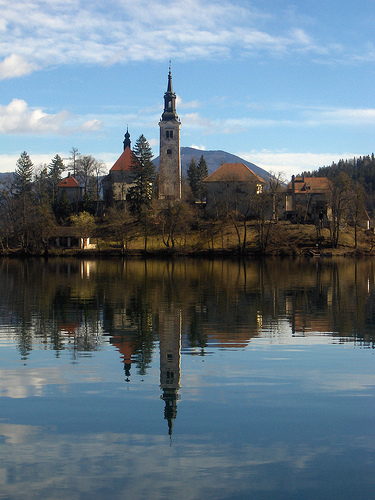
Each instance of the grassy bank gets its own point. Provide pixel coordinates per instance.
(281, 239)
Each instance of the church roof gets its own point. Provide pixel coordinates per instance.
(69, 181)
(124, 163)
(234, 172)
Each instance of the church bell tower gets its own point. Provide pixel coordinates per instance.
(169, 158)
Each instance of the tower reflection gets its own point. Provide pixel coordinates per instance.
(170, 357)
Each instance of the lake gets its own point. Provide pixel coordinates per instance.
(191, 379)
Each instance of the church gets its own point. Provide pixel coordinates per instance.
(121, 177)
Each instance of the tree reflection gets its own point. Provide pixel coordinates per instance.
(67, 304)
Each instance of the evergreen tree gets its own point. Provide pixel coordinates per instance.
(192, 174)
(142, 192)
(202, 174)
(23, 175)
(63, 207)
(55, 169)
(196, 173)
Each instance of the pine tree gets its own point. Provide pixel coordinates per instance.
(202, 170)
(23, 175)
(192, 174)
(55, 169)
(142, 192)
(196, 174)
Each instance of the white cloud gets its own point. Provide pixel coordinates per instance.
(16, 65)
(290, 163)
(18, 118)
(80, 32)
(347, 115)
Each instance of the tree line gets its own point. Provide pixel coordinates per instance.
(33, 209)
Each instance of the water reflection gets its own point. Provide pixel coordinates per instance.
(71, 305)
(102, 361)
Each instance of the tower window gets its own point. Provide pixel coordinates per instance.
(169, 151)
(169, 134)
(169, 104)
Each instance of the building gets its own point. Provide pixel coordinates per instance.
(70, 188)
(308, 199)
(169, 158)
(232, 187)
(121, 177)
(170, 359)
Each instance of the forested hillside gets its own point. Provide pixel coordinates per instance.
(359, 172)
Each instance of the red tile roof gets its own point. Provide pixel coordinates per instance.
(311, 185)
(69, 181)
(124, 162)
(234, 172)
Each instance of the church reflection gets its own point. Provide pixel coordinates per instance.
(170, 362)
(170, 327)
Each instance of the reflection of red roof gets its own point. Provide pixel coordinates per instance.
(125, 348)
(124, 162)
(235, 172)
(311, 185)
(69, 181)
(69, 328)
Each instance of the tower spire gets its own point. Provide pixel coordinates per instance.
(127, 142)
(169, 100)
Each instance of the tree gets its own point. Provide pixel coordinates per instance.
(55, 169)
(192, 175)
(63, 208)
(23, 208)
(120, 225)
(86, 168)
(73, 160)
(23, 175)
(340, 203)
(196, 173)
(202, 174)
(174, 222)
(142, 192)
(42, 187)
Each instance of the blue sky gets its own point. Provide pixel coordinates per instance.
(287, 86)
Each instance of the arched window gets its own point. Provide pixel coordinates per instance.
(169, 151)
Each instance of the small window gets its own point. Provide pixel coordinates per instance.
(169, 151)
(167, 134)
(169, 357)
(171, 134)
(169, 104)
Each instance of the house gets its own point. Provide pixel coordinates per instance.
(308, 199)
(65, 237)
(71, 188)
(121, 177)
(232, 187)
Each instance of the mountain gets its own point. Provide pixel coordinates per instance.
(214, 160)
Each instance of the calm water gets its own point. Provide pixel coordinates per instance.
(187, 380)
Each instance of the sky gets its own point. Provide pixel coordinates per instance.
(287, 86)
